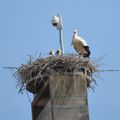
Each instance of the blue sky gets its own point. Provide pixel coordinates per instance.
(25, 28)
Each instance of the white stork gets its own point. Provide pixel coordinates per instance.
(59, 52)
(51, 53)
(80, 45)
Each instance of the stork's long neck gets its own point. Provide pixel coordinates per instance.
(75, 36)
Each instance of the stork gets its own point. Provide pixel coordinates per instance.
(80, 45)
(59, 52)
(51, 53)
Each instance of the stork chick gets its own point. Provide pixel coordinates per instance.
(59, 52)
(80, 45)
(51, 53)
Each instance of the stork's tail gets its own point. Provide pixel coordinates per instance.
(88, 51)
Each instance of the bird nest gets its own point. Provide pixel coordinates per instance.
(35, 74)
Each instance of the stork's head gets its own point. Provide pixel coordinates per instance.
(75, 32)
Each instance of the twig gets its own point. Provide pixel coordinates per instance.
(108, 70)
(11, 68)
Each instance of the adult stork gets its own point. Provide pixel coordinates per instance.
(80, 45)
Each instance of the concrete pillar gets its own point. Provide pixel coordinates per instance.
(66, 100)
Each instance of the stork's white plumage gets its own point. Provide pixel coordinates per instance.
(80, 45)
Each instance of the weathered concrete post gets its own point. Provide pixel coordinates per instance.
(63, 98)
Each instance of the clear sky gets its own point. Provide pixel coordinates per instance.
(25, 29)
